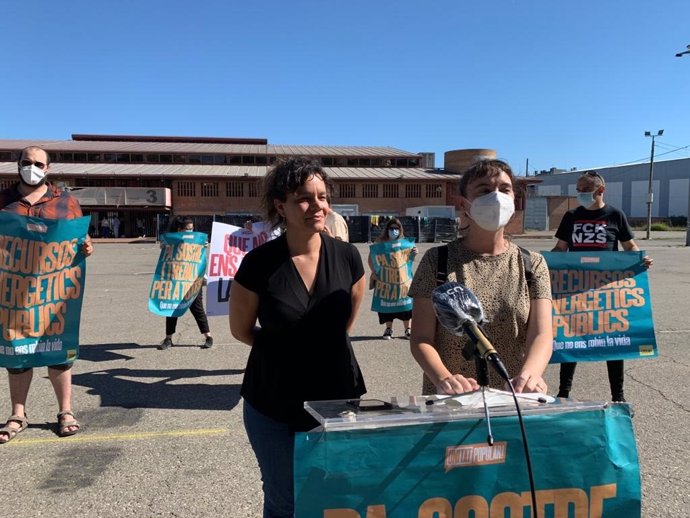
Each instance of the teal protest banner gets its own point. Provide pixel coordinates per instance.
(602, 307)
(42, 280)
(584, 462)
(179, 274)
(393, 270)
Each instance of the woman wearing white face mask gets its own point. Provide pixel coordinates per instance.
(518, 313)
(392, 231)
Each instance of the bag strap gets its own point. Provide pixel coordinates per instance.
(527, 261)
(442, 265)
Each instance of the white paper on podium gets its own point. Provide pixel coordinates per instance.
(494, 398)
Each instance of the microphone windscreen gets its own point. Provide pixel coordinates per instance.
(455, 305)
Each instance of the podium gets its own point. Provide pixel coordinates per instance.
(420, 460)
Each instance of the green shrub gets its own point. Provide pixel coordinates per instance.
(659, 226)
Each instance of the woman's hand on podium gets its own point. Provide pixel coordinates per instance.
(456, 384)
(528, 381)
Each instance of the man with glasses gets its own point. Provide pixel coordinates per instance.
(33, 195)
(594, 226)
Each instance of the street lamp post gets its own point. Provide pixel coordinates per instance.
(650, 191)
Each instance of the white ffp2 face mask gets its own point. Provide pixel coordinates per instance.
(32, 175)
(585, 199)
(493, 210)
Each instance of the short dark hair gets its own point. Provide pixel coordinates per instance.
(178, 223)
(38, 148)
(288, 175)
(481, 168)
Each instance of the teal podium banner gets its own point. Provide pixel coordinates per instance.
(179, 273)
(602, 307)
(42, 280)
(584, 462)
(393, 270)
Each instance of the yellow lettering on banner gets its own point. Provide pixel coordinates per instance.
(597, 497)
(471, 504)
(168, 253)
(161, 289)
(573, 281)
(193, 288)
(435, 508)
(564, 501)
(27, 256)
(561, 500)
(46, 320)
(382, 259)
(514, 502)
(596, 323)
(180, 290)
(188, 252)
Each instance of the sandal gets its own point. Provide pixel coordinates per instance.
(12, 432)
(67, 423)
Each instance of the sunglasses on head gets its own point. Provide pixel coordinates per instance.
(591, 173)
(25, 163)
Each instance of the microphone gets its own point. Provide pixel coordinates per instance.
(459, 311)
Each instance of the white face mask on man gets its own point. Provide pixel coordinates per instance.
(31, 174)
(585, 199)
(493, 210)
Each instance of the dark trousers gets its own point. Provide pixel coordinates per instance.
(197, 309)
(273, 445)
(615, 370)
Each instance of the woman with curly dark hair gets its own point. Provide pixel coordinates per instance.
(304, 288)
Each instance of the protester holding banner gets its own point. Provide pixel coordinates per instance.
(34, 196)
(594, 226)
(518, 310)
(186, 224)
(390, 260)
(305, 289)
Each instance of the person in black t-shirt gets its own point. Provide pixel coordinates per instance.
(305, 289)
(591, 227)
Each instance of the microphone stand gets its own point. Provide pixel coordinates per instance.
(471, 351)
(482, 368)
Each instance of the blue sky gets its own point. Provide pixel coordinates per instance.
(563, 84)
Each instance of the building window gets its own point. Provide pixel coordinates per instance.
(413, 190)
(347, 190)
(390, 190)
(434, 190)
(234, 189)
(370, 190)
(254, 189)
(187, 189)
(209, 189)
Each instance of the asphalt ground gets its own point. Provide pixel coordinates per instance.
(163, 433)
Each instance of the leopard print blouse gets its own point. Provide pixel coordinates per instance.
(500, 285)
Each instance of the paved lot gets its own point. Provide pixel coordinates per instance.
(164, 435)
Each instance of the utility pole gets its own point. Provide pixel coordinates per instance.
(650, 191)
(527, 167)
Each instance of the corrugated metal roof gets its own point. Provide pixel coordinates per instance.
(181, 170)
(198, 148)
